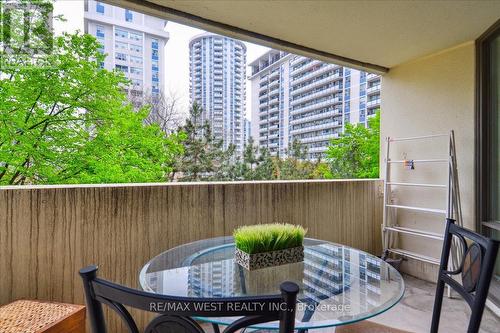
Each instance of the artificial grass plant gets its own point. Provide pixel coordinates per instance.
(268, 237)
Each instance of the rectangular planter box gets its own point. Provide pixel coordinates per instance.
(268, 259)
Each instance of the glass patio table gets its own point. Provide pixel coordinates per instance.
(338, 284)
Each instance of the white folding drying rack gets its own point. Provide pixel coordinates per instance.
(453, 207)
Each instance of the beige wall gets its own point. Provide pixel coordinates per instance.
(431, 95)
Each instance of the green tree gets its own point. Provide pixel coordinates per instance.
(294, 165)
(355, 154)
(265, 168)
(66, 120)
(204, 157)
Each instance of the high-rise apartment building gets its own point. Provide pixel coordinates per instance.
(298, 98)
(248, 131)
(134, 43)
(270, 101)
(217, 67)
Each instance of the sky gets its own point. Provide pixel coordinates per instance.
(176, 51)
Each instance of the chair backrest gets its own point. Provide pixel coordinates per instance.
(175, 312)
(476, 270)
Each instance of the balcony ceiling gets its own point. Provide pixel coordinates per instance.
(384, 33)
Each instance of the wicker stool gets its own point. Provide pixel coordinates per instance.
(25, 316)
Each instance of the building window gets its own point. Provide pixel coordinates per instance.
(121, 45)
(100, 31)
(135, 36)
(154, 43)
(155, 77)
(362, 78)
(99, 7)
(136, 70)
(154, 54)
(155, 88)
(136, 60)
(120, 56)
(122, 68)
(135, 48)
(362, 116)
(128, 15)
(121, 33)
(137, 83)
(154, 65)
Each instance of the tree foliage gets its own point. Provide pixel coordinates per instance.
(163, 108)
(259, 164)
(355, 154)
(66, 120)
(204, 158)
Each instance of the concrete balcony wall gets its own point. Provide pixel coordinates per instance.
(49, 233)
(431, 95)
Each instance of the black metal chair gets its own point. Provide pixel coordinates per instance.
(476, 270)
(175, 313)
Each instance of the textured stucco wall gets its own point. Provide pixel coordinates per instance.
(431, 95)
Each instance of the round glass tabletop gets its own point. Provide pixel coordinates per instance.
(338, 284)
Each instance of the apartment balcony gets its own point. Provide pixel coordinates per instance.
(274, 100)
(319, 138)
(370, 77)
(314, 73)
(315, 84)
(274, 118)
(263, 94)
(319, 105)
(273, 136)
(298, 60)
(49, 232)
(333, 124)
(321, 149)
(315, 95)
(273, 145)
(373, 89)
(305, 67)
(274, 84)
(274, 127)
(273, 109)
(274, 74)
(328, 114)
(274, 93)
(373, 103)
